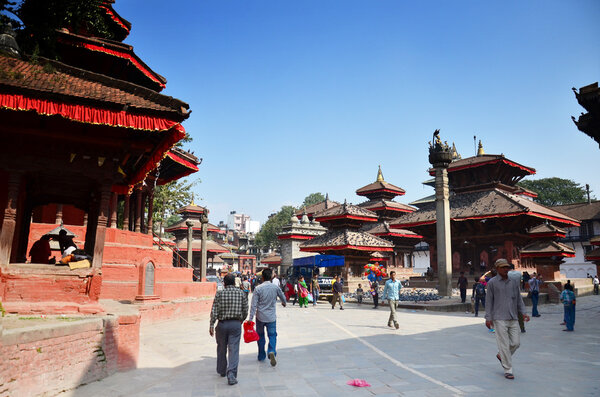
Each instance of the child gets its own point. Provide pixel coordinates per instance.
(359, 293)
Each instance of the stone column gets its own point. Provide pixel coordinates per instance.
(138, 211)
(103, 208)
(190, 239)
(126, 212)
(440, 157)
(10, 217)
(113, 210)
(204, 222)
(59, 214)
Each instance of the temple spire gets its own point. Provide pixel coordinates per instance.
(379, 175)
(192, 203)
(480, 151)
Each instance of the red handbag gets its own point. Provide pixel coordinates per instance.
(250, 335)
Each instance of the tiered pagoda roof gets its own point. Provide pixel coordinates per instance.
(589, 123)
(317, 207)
(380, 189)
(344, 239)
(484, 205)
(343, 236)
(539, 249)
(106, 110)
(345, 215)
(547, 230)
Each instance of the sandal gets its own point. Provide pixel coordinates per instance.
(509, 376)
(498, 357)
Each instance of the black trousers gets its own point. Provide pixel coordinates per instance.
(376, 300)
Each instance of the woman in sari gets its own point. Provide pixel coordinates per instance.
(302, 292)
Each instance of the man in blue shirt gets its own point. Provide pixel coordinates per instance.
(391, 293)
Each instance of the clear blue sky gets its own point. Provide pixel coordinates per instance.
(295, 97)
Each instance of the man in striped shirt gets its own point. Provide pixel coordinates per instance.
(230, 307)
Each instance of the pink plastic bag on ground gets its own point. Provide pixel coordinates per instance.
(358, 383)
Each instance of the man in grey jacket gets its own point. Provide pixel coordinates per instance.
(503, 305)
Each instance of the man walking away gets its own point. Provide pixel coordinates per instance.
(534, 288)
(315, 290)
(463, 284)
(245, 285)
(263, 304)
(478, 294)
(567, 297)
(230, 307)
(391, 293)
(276, 280)
(504, 303)
(337, 293)
(516, 276)
(596, 284)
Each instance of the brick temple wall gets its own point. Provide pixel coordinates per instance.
(50, 358)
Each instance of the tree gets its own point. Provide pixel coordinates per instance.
(556, 191)
(313, 198)
(267, 236)
(169, 198)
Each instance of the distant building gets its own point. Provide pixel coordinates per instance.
(242, 223)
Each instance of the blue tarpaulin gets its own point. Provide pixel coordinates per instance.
(320, 261)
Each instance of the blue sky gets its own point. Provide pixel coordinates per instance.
(295, 97)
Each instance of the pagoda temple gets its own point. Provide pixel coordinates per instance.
(191, 215)
(345, 238)
(85, 141)
(545, 253)
(589, 123)
(490, 214)
(381, 194)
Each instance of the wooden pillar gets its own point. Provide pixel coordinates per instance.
(126, 212)
(23, 225)
(59, 214)
(150, 210)
(10, 217)
(138, 211)
(114, 201)
(100, 235)
(85, 219)
(143, 212)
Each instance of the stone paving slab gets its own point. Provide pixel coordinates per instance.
(319, 350)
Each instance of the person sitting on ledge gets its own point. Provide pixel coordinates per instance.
(67, 247)
(40, 251)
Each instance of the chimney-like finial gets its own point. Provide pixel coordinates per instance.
(480, 151)
(379, 175)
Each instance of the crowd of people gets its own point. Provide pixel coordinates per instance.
(498, 291)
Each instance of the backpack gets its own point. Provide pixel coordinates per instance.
(480, 289)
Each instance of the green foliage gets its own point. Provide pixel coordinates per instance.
(267, 236)
(42, 18)
(313, 198)
(169, 198)
(556, 191)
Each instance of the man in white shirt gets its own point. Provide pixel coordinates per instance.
(275, 279)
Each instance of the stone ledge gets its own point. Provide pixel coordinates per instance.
(48, 331)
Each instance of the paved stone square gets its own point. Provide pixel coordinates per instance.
(319, 350)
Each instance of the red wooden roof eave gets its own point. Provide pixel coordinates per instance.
(394, 209)
(530, 171)
(118, 20)
(342, 247)
(294, 237)
(548, 234)
(189, 168)
(546, 254)
(418, 236)
(530, 213)
(92, 44)
(393, 191)
(345, 216)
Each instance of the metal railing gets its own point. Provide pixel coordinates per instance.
(178, 259)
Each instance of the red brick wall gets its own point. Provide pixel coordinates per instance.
(48, 360)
